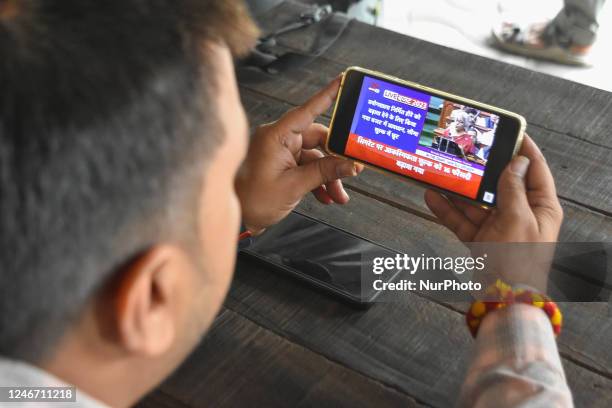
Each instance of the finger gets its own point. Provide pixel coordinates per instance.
(298, 119)
(541, 191)
(336, 191)
(321, 195)
(539, 178)
(511, 190)
(475, 214)
(307, 177)
(334, 188)
(314, 136)
(359, 167)
(450, 216)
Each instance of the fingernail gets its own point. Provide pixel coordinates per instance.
(519, 166)
(346, 169)
(346, 197)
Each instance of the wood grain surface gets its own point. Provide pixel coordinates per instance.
(278, 343)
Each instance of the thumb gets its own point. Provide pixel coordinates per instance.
(511, 191)
(311, 175)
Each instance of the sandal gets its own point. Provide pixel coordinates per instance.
(539, 41)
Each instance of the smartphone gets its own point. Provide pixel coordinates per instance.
(327, 258)
(442, 141)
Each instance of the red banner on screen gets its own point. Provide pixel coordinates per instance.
(414, 165)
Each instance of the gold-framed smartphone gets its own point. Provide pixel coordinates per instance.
(446, 142)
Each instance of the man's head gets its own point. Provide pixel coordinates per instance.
(120, 133)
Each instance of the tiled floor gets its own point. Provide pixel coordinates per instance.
(466, 25)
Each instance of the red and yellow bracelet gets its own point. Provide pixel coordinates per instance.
(504, 295)
(244, 235)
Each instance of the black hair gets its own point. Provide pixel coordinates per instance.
(106, 109)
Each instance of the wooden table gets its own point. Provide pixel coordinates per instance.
(279, 343)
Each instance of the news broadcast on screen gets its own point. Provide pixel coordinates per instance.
(422, 136)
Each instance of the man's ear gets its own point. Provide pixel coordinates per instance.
(147, 308)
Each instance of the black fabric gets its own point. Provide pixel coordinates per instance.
(272, 57)
(259, 7)
(338, 5)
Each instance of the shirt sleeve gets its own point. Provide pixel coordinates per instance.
(516, 363)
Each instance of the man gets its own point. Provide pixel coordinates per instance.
(121, 133)
(122, 177)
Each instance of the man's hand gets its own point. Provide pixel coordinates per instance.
(527, 206)
(283, 165)
(528, 211)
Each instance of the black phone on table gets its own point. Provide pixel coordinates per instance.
(321, 255)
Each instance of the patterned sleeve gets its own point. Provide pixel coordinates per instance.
(516, 363)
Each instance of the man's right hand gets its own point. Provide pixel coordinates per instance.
(528, 210)
(283, 164)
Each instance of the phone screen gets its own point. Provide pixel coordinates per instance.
(329, 258)
(437, 141)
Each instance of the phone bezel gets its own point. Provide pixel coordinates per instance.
(508, 139)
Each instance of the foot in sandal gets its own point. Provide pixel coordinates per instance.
(540, 41)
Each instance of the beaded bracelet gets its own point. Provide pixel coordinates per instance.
(244, 235)
(506, 295)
